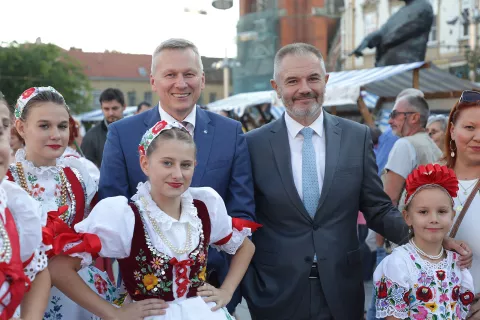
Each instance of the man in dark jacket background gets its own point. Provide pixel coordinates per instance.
(112, 102)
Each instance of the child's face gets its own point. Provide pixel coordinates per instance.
(170, 167)
(5, 151)
(45, 131)
(431, 214)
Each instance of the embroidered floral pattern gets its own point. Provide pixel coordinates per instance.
(55, 312)
(152, 274)
(100, 284)
(436, 293)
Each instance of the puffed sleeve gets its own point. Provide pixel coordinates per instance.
(463, 292)
(392, 286)
(113, 221)
(91, 185)
(28, 217)
(227, 233)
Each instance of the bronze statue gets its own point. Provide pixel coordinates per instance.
(403, 38)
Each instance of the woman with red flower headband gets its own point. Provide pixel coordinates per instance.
(421, 280)
(161, 237)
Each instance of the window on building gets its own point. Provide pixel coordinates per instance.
(147, 96)
(132, 98)
(96, 98)
(465, 15)
(433, 31)
(212, 97)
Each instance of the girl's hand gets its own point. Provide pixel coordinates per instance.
(474, 313)
(140, 310)
(220, 296)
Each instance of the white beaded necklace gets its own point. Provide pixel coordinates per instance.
(188, 243)
(420, 251)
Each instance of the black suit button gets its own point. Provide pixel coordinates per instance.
(308, 259)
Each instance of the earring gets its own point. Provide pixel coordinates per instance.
(452, 153)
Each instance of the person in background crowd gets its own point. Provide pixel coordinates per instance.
(112, 103)
(462, 154)
(436, 126)
(16, 141)
(143, 106)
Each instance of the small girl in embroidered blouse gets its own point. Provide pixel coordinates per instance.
(161, 236)
(421, 280)
(20, 236)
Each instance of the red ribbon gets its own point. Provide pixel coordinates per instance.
(90, 243)
(181, 280)
(241, 224)
(18, 280)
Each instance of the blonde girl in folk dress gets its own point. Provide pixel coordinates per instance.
(20, 236)
(64, 190)
(421, 280)
(161, 236)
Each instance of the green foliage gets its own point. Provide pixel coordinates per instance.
(37, 65)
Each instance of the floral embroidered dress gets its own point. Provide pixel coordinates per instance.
(20, 236)
(409, 287)
(142, 236)
(64, 192)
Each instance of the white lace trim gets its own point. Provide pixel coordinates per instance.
(189, 212)
(85, 256)
(30, 167)
(427, 266)
(71, 152)
(391, 312)
(235, 241)
(38, 263)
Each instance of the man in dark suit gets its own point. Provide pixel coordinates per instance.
(223, 161)
(312, 172)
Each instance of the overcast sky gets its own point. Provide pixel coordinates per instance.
(133, 26)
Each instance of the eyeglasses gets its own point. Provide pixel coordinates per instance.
(395, 113)
(470, 96)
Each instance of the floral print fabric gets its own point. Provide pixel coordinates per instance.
(408, 287)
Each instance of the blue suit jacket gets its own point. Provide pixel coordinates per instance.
(223, 163)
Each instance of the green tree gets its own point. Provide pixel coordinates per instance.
(37, 65)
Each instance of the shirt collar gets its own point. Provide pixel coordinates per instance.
(293, 127)
(190, 118)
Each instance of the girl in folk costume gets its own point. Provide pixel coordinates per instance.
(20, 236)
(64, 190)
(421, 280)
(161, 237)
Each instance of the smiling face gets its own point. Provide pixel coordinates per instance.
(45, 132)
(301, 84)
(465, 132)
(178, 79)
(431, 214)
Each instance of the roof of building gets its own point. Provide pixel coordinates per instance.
(117, 65)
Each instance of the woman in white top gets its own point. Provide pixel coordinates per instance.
(462, 154)
(161, 237)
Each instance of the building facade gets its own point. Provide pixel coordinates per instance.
(452, 35)
(131, 74)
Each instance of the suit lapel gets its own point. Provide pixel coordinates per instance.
(333, 136)
(281, 151)
(151, 117)
(203, 136)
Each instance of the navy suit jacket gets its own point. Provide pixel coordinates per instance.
(223, 163)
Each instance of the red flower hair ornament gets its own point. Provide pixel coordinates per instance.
(431, 175)
(154, 132)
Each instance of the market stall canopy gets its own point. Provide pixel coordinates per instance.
(345, 87)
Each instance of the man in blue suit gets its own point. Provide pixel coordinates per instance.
(223, 161)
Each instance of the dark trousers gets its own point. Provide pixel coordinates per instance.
(313, 305)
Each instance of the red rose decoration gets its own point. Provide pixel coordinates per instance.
(382, 290)
(424, 294)
(100, 284)
(141, 150)
(159, 126)
(406, 297)
(455, 293)
(27, 93)
(441, 275)
(467, 298)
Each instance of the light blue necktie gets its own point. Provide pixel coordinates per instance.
(310, 187)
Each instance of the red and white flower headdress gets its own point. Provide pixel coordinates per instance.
(27, 95)
(431, 175)
(153, 132)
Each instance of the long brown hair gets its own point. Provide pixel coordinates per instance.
(452, 120)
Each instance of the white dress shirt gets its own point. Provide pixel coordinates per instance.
(190, 118)
(295, 139)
